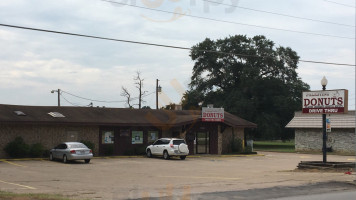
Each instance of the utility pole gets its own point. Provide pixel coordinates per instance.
(59, 94)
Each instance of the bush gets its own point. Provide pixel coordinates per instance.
(140, 150)
(17, 148)
(248, 149)
(36, 150)
(89, 144)
(236, 145)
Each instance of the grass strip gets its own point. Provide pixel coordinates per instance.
(276, 146)
(15, 196)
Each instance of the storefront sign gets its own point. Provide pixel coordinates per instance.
(152, 136)
(108, 137)
(325, 101)
(137, 137)
(212, 114)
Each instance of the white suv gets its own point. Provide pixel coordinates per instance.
(168, 147)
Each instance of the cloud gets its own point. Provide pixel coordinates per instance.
(33, 63)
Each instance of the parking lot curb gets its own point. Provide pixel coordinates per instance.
(22, 159)
(113, 157)
(225, 156)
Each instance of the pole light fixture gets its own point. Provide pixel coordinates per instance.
(324, 82)
(158, 89)
(59, 93)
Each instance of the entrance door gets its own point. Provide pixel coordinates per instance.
(202, 142)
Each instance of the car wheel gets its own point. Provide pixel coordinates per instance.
(65, 159)
(87, 160)
(149, 154)
(183, 157)
(165, 155)
(51, 157)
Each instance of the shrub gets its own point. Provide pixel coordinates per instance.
(17, 148)
(248, 149)
(36, 150)
(236, 145)
(140, 150)
(89, 144)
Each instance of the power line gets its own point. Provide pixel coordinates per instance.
(341, 4)
(279, 14)
(69, 101)
(159, 45)
(104, 101)
(231, 22)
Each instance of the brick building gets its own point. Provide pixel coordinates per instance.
(117, 131)
(308, 132)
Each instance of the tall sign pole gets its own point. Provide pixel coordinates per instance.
(324, 82)
(355, 87)
(158, 89)
(325, 102)
(156, 94)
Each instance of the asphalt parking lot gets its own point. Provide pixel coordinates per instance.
(139, 177)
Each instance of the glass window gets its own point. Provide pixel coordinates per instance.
(56, 114)
(62, 146)
(165, 141)
(137, 137)
(178, 142)
(74, 146)
(107, 137)
(152, 136)
(19, 113)
(158, 142)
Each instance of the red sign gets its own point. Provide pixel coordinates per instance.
(325, 101)
(212, 114)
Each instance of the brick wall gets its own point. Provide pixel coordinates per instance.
(48, 135)
(225, 138)
(341, 140)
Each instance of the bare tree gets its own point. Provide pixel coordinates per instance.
(125, 93)
(139, 86)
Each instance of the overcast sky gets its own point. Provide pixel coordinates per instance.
(34, 63)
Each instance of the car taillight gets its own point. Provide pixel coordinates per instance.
(91, 151)
(72, 151)
(171, 145)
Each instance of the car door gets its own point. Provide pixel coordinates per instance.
(55, 151)
(155, 146)
(60, 151)
(164, 145)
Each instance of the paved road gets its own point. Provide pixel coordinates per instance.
(125, 178)
(325, 191)
(332, 196)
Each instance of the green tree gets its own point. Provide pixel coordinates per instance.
(252, 78)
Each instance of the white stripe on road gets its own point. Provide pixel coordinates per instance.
(201, 177)
(24, 186)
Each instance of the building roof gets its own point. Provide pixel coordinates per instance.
(107, 116)
(301, 120)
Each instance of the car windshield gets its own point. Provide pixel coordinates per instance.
(74, 146)
(178, 142)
